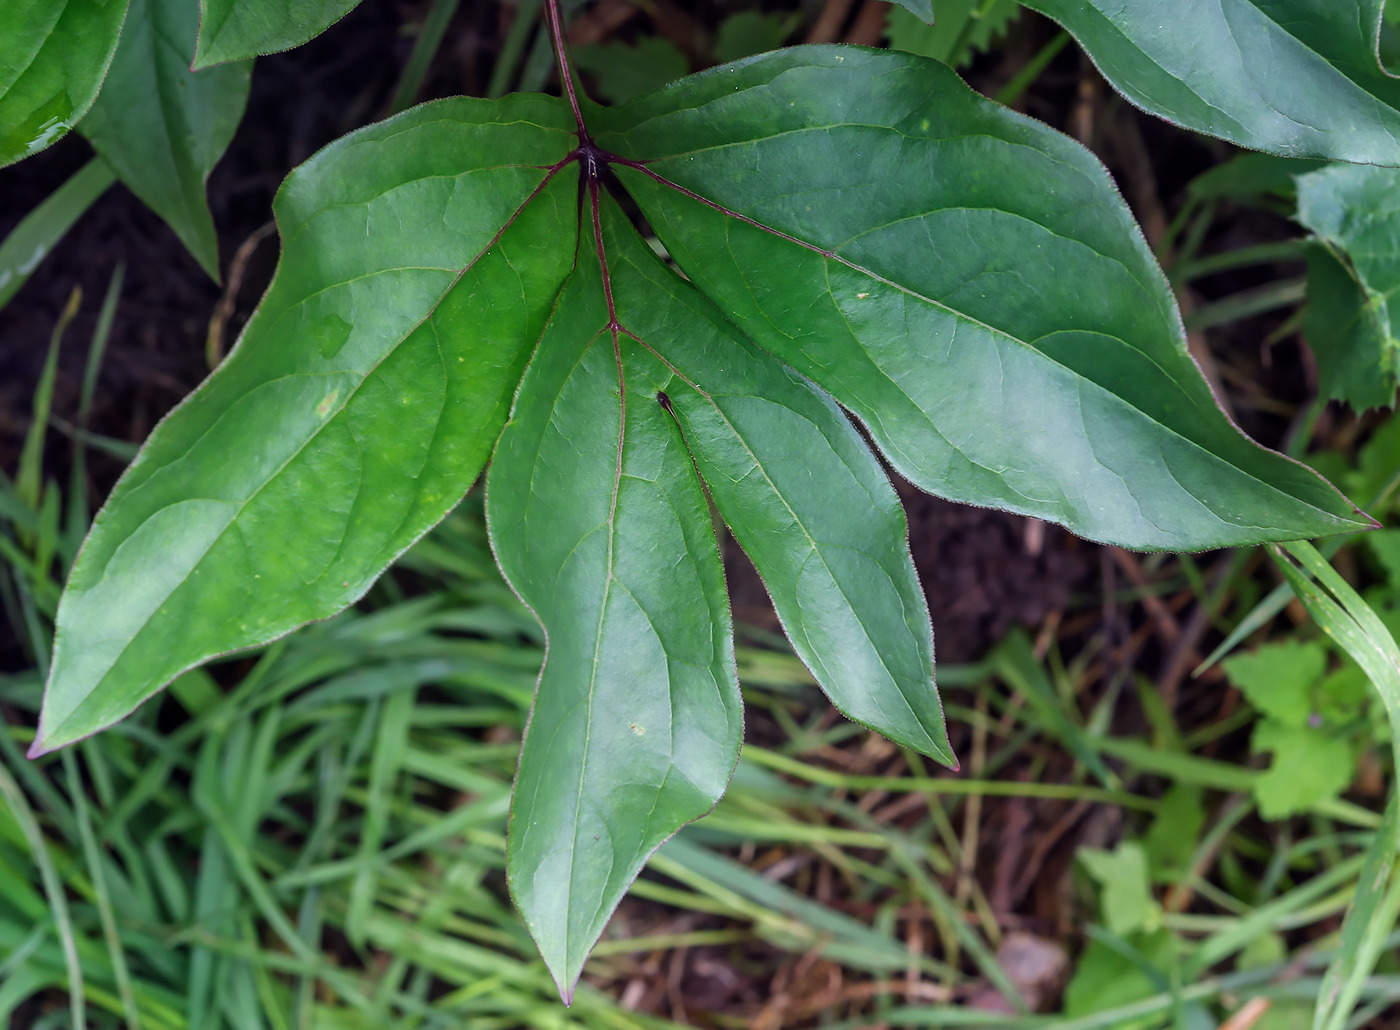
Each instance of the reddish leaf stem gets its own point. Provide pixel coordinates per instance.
(561, 56)
(730, 212)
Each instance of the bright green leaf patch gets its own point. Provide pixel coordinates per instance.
(857, 230)
(1126, 903)
(1308, 724)
(846, 269)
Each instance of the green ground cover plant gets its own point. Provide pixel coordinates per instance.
(855, 230)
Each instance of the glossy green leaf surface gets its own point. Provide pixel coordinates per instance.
(161, 127)
(53, 56)
(1301, 78)
(803, 496)
(967, 282)
(1353, 274)
(599, 523)
(360, 403)
(235, 30)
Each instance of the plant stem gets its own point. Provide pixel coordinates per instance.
(561, 57)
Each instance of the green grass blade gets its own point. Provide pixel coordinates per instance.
(425, 48)
(93, 857)
(1349, 620)
(37, 235)
(31, 457)
(1369, 921)
(53, 888)
(389, 752)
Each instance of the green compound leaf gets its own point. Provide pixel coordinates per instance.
(358, 407)
(1353, 273)
(599, 523)
(967, 282)
(53, 56)
(235, 30)
(1299, 78)
(862, 229)
(161, 127)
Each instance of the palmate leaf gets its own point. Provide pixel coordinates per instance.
(855, 226)
(161, 127)
(1301, 78)
(53, 57)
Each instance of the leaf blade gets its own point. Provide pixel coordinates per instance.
(599, 523)
(383, 358)
(235, 30)
(877, 278)
(161, 127)
(1353, 271)
(51, 66)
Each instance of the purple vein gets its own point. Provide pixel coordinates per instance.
(730, 212)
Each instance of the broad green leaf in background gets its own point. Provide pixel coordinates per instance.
(52, 62)
(1170, 843)
(162, 127)
(1279, 679)
(1308, 766)
(1353, 272)
(1299, 78)
(921, 9)
(360, 404)
(1306, 712)
(1126, 904)
(1251, 178)
(960, 28)
(921, 253)
(1106, 979)
(235, 30)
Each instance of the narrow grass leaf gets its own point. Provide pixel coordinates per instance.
(390, 747)
(39, 232)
